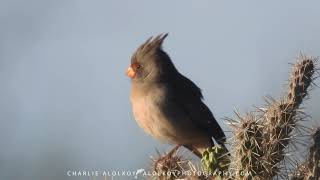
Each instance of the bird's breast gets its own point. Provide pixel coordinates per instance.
(141, 112)
(147, 113)
(163, 119)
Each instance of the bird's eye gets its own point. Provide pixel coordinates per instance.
(138, 66)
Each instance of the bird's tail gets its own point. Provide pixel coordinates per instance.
(222, 142)
(219, 136)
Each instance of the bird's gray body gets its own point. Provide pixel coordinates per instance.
(160, 115)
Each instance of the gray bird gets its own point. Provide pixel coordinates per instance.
(166, 104)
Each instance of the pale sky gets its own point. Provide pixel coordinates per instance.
(64, 96)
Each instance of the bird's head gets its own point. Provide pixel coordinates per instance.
(149, 62)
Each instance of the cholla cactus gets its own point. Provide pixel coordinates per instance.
(301, 77)
(310, 170)
(314, 158)
(281, 117)
(261, 138)
(247, 151)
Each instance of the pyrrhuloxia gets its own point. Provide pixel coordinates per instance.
(166, 104)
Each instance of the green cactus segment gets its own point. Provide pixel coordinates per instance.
(215, 160)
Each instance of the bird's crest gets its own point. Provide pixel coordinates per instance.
(152, 44)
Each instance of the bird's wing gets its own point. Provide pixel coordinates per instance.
(189, 97)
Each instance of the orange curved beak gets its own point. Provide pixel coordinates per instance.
(130, 72)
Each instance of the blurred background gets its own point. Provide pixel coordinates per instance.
(64, 96)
